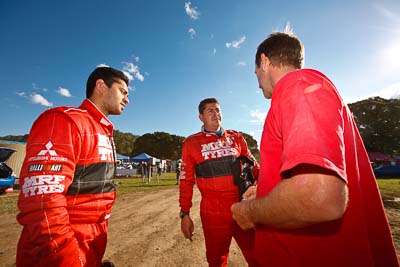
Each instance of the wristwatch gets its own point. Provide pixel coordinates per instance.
(183, 214)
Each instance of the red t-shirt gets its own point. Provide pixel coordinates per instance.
(309, 123)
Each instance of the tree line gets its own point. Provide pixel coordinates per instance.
(378, 121)
(162, 145)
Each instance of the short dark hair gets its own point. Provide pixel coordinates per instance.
(282, 49)
(108, 75)
(203, 103)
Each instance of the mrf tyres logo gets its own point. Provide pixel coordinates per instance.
(218, 149)
(42, 184)
(47, 154)
(213, 150)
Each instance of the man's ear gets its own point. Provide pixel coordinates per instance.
(100, 86)
(201, 117)
(265, 62)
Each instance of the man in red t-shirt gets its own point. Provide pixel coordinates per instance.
(317, 202)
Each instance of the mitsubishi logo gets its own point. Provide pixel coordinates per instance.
(47, 150)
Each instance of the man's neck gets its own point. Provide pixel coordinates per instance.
(282, 71)
(212, 131)
(218, 132)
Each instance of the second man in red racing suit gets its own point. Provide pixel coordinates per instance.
(67, 188)
(207, 159)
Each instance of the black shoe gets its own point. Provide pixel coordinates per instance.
(107, 264)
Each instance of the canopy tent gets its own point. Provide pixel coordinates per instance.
(144, 157)
(122, 158)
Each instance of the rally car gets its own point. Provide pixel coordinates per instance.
(7, 178)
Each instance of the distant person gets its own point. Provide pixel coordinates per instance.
(149, 172)
(318, 202)
(178, 170)
(143, 168)
(67, 188)
(208, 159)
(159, 170)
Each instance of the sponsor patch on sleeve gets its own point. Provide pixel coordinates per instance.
(45, 167)
(43, 184)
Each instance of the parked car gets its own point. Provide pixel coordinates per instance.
(7, 178)
(387, 171)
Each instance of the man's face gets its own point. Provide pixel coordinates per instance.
(263, 73)
(117, 98)
(211, 117)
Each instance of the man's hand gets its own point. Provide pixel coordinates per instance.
(187, 227)
(250, 193)
(241, 214)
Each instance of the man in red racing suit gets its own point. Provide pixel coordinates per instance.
(207, 161)
(67, 188)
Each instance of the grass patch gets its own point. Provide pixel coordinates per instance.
(390, 192)
(8, 201)
(389, 187)
(135, 183)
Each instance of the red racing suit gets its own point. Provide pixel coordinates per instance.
(207, 161)
(67, 188)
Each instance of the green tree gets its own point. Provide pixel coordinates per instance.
(252, 144)
(378, 121)
(16, 138)
(160, 145)
(124, 142)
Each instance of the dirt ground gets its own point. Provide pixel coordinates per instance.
(145, 231)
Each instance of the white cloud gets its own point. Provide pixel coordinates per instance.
(192, 33)
(130, 67)
(39, 99)
(214, 51)
(236, 44)
(133, 88)
(259, 117)
(389, 58)
(36, 87)
(191, 12)
(22, 94)
(390, 92)
(63, 92)
(132, 70)
(389, 21)
(102, 65)
(387, 13)
(288, 28)
(257, 136)
(127, 74)
(139, 76)
(241, 63)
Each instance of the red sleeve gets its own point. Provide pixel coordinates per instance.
(186, 179)
(312, 127)
(46, 174)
